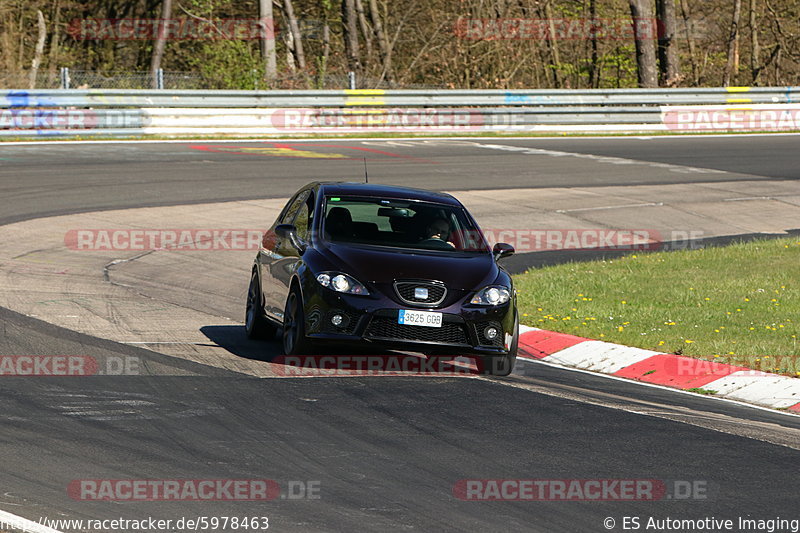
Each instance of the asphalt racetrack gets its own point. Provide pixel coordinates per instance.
(370, 453)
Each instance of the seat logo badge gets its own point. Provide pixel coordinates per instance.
(420, 293)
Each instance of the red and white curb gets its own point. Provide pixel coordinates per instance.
(728, 381)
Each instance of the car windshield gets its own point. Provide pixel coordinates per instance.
(401, 224)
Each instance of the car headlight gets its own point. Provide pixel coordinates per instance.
(493, 295)
(336, 281)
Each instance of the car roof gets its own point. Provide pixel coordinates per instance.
(345, 188)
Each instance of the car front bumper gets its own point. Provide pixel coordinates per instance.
(373, 320)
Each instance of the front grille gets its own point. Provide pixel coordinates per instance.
(387, 328)
(480, 327)
(406, 291)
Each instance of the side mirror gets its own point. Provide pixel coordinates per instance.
(289, 232)
(285, 231)
(502, 250)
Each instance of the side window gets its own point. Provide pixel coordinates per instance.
(294, 207)
(302, 221)
(305, 217)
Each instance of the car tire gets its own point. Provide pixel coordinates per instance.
(503, 365)
(295, 341)
(256, 324)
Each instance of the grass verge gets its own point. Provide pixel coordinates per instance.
(738, 304)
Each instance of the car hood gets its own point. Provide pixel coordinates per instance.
(377, 265)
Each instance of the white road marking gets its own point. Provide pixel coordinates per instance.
(679, 169)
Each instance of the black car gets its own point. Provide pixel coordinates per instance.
(398, 268)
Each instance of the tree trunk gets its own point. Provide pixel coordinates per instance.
(161, 40)
(299, 54)
(322, 61)
(383, 42)
(755, 50)
(326, 42)
(594, 74)
(732, 66)
(37, 56)
(350, 24)
(365, 31)
(689, 25)
(268, 50)
(668, 62)
(552, 44)
(54, 40)
(642, 16)
(291, 57)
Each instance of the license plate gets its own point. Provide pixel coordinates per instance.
(419, 318)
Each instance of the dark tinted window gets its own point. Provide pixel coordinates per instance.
(304, 219)
(294, 207)
(402, 224)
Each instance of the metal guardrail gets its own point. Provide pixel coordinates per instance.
(394, 98)
(185, 112)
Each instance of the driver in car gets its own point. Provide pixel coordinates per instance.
(437, 234)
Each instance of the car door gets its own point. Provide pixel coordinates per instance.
(279, 266)
(271, 250)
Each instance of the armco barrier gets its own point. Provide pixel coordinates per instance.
(134, 112)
